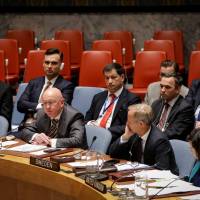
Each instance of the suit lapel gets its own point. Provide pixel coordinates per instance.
(62, 127)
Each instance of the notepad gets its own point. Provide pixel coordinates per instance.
(27, 148)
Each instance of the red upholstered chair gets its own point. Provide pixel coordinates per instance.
(76, 39)
(109, 45)
(177, 38)
(147, 70)
(198, 45)
(2, 66)
(10, 48)
(126, 39)
(63, 46)
(26, 42)
(34, 65)
(92, 64)
(194, 67)
(161, 45)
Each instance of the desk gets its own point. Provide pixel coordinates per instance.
(20, 180)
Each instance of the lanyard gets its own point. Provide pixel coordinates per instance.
(111, 103)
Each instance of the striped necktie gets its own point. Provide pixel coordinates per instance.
(54, 128)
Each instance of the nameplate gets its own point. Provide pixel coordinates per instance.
(95, 184)
(45, 164)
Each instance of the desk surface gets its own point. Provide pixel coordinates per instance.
(20, 180)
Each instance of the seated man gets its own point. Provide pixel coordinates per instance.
(109, 108)
(31, 98)
(153, 90)
(173, 115)
(57, 124)
(143, 142)
(193, 98)
(6, 106)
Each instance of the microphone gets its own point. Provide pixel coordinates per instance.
(93, 140)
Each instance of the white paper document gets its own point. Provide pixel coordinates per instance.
(6, 143)
(84, 163)
(27, 148)
(130, 165)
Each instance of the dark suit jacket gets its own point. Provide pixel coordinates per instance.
(119, 119)
(71, 130)
(157, 152)
(6, 101)
(180, 121)
(29, 99)
(193, 96)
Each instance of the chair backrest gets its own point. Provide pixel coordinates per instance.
(3, 126)
(183, 156)
(161, 45)
(194, 67)
(177, 38)
(102, 142)
(76, 39)
(92, 64)
(126, 38)
(63, 46)
(17, 117)
(2, 66)
(10, 48)
(109, 45)
(83, 96)
(25, 39)
(198, 45)
(147, 68)
(34, 65)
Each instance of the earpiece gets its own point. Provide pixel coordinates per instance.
(62, 66)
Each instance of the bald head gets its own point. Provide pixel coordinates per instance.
(53, 102)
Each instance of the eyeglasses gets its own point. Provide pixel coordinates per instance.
(52, 63)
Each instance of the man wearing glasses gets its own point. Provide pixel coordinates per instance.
(30, 100)
(57, 124)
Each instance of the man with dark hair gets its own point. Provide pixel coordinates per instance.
(143, 142)
(153, 90)
(109, 108)
(31, 98)
(173, 115)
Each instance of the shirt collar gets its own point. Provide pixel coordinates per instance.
(145, 136)
(118, 92)
(58, 116)
(52, 80)
(173, 101)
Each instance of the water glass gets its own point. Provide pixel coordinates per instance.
(141, 186)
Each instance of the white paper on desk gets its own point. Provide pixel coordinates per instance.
(191, 197)
(6, 143)
(38, 153)
(129, 165)
(27, 148)
(84, 164)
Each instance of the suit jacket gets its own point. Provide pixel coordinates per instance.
(180, 121)
(153, 92)
(29, 99)
(6, 101)
(71, 130)
(119, 118)
(193, 96)
(157, 151)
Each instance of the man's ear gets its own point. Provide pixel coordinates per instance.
(62, 65)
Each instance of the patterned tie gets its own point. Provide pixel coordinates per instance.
(163, 117)
(108, 111)
(53, 128)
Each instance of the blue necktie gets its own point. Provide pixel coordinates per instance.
(194, 170)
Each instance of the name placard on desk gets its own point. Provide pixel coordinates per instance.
(45, 163)
(95, 184)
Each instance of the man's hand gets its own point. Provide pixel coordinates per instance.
(42, 139)
(128, 133)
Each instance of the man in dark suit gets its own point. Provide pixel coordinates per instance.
(57, 124)
(31, 98)
(173, 114)
(6, 106)
(143, 142)
(193, 98)
(109, 108)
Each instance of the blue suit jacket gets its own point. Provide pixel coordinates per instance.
(29, 99)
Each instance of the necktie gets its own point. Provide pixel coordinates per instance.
(108, 111)
(194, 170)
(53, 128)
(198, 117)
(163, 117)
(46, 87)
(139, 150)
